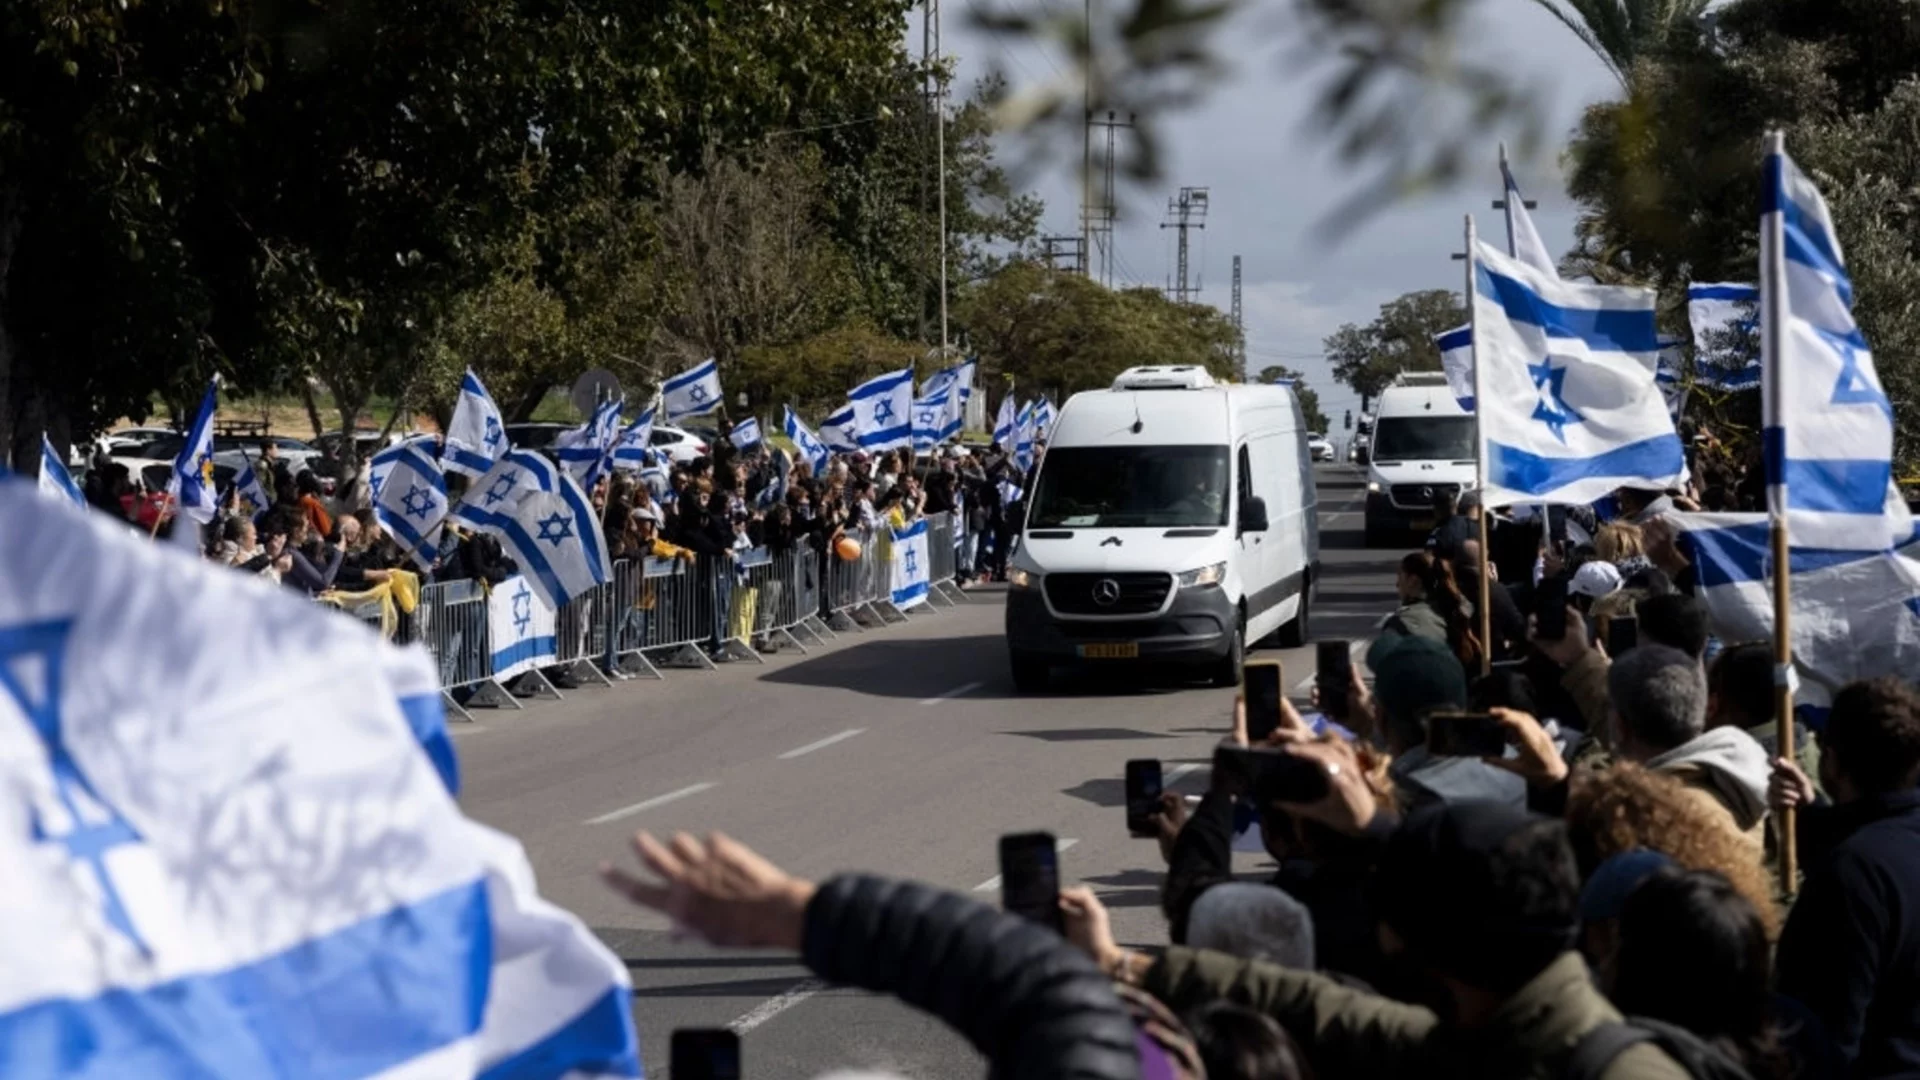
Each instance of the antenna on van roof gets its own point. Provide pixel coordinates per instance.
(1137, 422)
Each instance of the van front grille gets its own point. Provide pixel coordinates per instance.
(1108, 594)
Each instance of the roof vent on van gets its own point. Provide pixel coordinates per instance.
(1171, 377)
(1420, 378)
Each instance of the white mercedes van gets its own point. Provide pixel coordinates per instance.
(1172, 520)
(1423, 445)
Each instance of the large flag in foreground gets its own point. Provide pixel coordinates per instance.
(231, 846)
(543, 520)
(1828, 423)
(693, 392)
(1569, 409)
(476, 437)
(55, 480)
(191, 483)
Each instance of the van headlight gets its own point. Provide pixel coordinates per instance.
(1021, 579)
(1373, 487)
(1206, 575)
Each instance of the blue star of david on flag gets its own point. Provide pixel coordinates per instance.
(926, 418)
(882, 412)
(1852, 387)
(93, 827)
(418, 501)
(697, 392)
(522, 608)
(555, 528)
(375, 482)
(913, 564)
(501, 488)
(1552, 409)
(494, 434)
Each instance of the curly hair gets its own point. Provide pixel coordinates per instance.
(1618, 540)
(1627, 806)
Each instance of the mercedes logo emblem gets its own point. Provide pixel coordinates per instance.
(1426, 493)
(1106, 591)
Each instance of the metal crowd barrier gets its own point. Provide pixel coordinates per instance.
(452, 623)
(943, 558)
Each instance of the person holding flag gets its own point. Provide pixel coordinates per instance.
(476, 437)
(693, 392)
(55, 480)
(250, 495)
(190, 485)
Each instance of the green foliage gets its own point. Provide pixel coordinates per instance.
(1621, 32)
(1308, 397)
(1058, 333)
(1400, 338)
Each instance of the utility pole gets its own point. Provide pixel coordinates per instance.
(1186, 211)
(1086, 135)
(1239, 328)
(1064, 249)
(938, 99)
(1103, 213)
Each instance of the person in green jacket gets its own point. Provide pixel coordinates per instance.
(1478, 903)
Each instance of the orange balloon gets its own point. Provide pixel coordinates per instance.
(847, 548)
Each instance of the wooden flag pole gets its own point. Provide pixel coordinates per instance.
(1773, 296)
(1483, 603)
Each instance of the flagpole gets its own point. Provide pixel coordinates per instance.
(1773, 294)
(1483, 604)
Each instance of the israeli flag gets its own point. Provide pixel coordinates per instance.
(1523, 240)
(1005, 423)
(882, 411)
(910, 566)
(200, 886)
(631, 447)
(191, 484)
(775, 492)
(252, 495)
(803, 438)
(1828, 426)
(477, 436)
(963, 376)
(1023, 436)
(55, 480)
(544, 522)
(586, 451)
(836, 431)
(746, 433)
(931, 426)
(694, 392)
(1456, 359)
(1568, 406)
(412, 501)
(1043, 416)
(1855, 614)
(1724, 316)
(1667, 374)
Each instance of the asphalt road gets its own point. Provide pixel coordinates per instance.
(902, 751)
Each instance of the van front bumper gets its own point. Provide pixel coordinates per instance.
(1383, 514)
(1196, 629)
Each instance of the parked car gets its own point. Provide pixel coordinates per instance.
(536, 434)
(679, 444)
(1321, 449)
(235, 452)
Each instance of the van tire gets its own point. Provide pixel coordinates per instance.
(1030, 673)
(1294, 633)
(1227, 672)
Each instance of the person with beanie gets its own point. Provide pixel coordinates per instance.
(1258, 922)
(1413, 677)
(1478, 902)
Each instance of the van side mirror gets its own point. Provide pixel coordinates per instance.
(1253, 514)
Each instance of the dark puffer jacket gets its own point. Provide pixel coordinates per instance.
(1033, 1004)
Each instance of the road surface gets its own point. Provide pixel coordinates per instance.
(902, 751)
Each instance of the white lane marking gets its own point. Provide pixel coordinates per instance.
(1304, 688)
(658, 800)
(993, 882)
(1177, 772)
(774, 1006)
(822, 744)
(966, 688)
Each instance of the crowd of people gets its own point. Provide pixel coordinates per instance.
(1600, 898)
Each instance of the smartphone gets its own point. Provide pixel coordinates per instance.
(1030, 877)
(1144, 785)
(1268, 774)
(1623, 633)
(1333, 674)
(1260, 689)
(1550, 608)
(705, 1054)
(1465, 734)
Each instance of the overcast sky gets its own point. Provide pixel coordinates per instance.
(1272, 182)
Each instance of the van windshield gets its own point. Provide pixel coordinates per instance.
(1115, 486)
(1424, 438)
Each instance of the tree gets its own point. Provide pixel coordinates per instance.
(1400, 338)
(1306, 395)
(1621, 32)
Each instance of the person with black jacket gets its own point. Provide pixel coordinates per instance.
(1033, 1004)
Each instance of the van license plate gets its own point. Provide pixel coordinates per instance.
(1115, 650)
(1420, 525)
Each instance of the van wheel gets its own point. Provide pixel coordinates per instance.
(1293, 634)
(1030, 672)
(1228, 671)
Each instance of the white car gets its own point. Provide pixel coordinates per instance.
(236, 452)
(1320, 448)
(678, 444)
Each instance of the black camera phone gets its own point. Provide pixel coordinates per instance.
(1333, 674)
(1623, 633)
(1550, 608)
(1269, 775)
(1144, 785)
(705, 1054)
(1465, 734)
(1260, 692)
(1030, 877)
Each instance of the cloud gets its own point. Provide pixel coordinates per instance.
(1286, 322)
